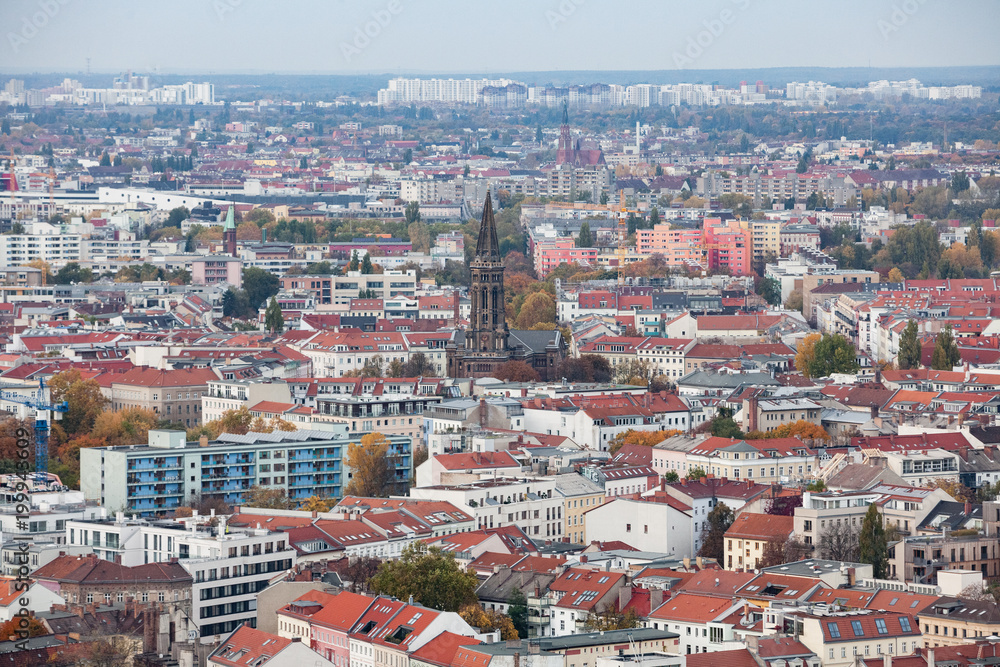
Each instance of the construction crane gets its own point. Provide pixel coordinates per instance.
(45, 411)
(51, 177)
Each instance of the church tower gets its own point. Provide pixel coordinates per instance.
(229, 231)
(565, 153)
(487, 332)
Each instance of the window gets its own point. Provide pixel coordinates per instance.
(858, 630)
(881, 627)
(834, 630)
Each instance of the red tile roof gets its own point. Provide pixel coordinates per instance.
(748, 525)
(248, 646)
(691, 608)
(442, 649)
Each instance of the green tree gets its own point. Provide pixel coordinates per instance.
(366, 265)
(833, 354)
(355, 263)
(959, 182)
(695, 474)
(909, 347)
(260, 285)
(5, 126)
(517, 609)
(177, 216)
(874, 543)
(72, 273)
(723, 424)
(770, 290)
(432, 576)
(408, 156)
(671, 477)
(412, 212)
(713, 537)
(274, 321)
(654, 217)
(585, 239)
(105, 159)
(946, 354)
(604, 199)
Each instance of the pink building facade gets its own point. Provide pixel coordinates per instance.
(727, 246)
(217, 269)
(550, 253)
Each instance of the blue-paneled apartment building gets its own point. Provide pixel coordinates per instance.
(156, 478)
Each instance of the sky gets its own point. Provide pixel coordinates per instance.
(490, 36)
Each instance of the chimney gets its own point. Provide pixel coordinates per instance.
(150, 626)
(752, 404)
(203, 441)
(968, 507)
(886, 660)
(655, 598)
(482, 413)
(687, 562)
(930, 656)
(624, 596)
(874, 410)
(700, 562)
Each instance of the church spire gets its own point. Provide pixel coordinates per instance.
(230, 220)
(487, 246)
(565, 113)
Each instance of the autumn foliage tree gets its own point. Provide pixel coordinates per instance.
(13, 629)
(611, 618)
(372, 474)
(129, 426)
(516, 371)
(640, 438)
(84, 400)
(488, 620)
(800, 429)
(265, 498)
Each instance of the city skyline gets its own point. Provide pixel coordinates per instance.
(233, 36)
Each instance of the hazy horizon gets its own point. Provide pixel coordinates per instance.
(393, 37)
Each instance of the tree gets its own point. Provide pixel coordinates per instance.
(395, 369)
(176, 216)
(839, 541)
(355, 263)
(959, 182)
(946, 354)
(84, 398)
(774, 553)
(713, 538)
(412, 212)
(585, 239)
(830, 354)
(610, 618)
(265, 498)
(654, 217)
(538, 308)
(517, 609)
(360, 571)
(784, 505)
(895, 275)
(14, 628)
(640, 438)
(259, 285)
(366, 264)
(113, 651)
(317, 504)
(909, 347)
(274, 321)
(816, 486)
(128, 426)
(236, 422)
(586, 368)
(488, 621)
(372, 473)
(873, 545)
(430, 575)
(516, 371)
(955, 489)
(105, 159)
(770, 290)
(805, 354)
(724, 426)
(418, 365)
(695, 474)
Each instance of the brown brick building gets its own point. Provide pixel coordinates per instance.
(90, 580)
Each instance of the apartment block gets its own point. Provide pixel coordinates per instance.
(156, 478)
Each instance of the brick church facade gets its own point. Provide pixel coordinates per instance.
(487, 342)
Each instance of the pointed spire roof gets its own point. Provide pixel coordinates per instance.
(230, 219)
(487, 246)
(565, 120)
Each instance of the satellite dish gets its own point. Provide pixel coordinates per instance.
(192, 635)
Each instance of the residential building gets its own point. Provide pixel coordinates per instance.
(92, 580)
(840, 638)
(550, 253)
(340, 289)
(656, 523)
(951, 621)
(749, 535)
(578, 592)
(249, 646)
(153, 479)
(217, 269)
(728, 246)
(579, 494)
(174, 395)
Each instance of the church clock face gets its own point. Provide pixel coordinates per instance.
(485, 339)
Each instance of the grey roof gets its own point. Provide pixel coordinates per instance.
(726, 380)
(607, 637)
(575, 484)
(500, 585)
(861, 477)
(804, 568)
(534, 341)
